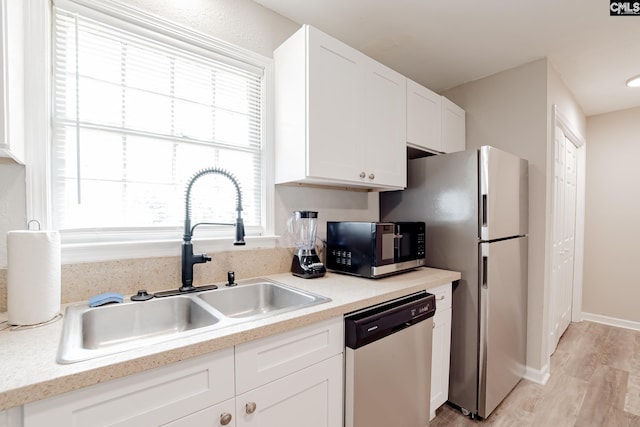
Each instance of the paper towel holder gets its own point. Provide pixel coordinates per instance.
(37, 223)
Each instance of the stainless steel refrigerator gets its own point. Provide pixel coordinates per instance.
(475, 206)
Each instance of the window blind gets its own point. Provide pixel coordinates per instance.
(134, 118)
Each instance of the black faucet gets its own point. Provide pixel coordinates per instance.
(188, 257)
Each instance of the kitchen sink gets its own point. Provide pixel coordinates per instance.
(259, 299)
(88, 333)
(93, 332)
(120, 324)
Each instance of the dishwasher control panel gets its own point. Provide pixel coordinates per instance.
(373, 323)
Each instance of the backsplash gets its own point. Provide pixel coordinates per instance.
(82, 281)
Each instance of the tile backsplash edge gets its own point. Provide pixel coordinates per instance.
(82, 281)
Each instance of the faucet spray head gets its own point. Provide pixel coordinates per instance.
(239, 241)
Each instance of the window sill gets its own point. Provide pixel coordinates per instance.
(73, 253)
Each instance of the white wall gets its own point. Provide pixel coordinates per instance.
(511, 110)
(239, 22)
(612, 223)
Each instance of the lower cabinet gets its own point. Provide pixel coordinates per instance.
(290, 379)
(311, 397)
(441, 348)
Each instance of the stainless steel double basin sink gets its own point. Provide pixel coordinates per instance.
(88, 333)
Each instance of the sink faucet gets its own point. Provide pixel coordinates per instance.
(188, 257)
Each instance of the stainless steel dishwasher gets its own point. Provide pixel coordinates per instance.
(388, 363)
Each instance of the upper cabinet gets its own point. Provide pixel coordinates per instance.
(434, 123)
(453, 127)
(12, 80)
(340, 116)
(424, 117)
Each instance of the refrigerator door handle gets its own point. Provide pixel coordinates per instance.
(485, 272)
(484, 210)
(484, 333)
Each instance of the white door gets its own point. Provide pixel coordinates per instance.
(335, 79)
(311, 397)
(385, 126)
(563, 236)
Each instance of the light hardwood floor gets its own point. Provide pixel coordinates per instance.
(595, 381)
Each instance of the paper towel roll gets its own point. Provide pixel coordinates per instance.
(33, 276)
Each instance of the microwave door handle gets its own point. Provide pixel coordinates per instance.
(396, 242)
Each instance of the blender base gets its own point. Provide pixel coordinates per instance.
(307, 267)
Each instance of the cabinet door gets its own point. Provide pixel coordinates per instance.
(385, 126)
(311, 397)
(440, 359)
(334, 106)
(453, 127)
(424, 117)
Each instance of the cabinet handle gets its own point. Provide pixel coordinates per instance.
(250, 408)
(439, 297)
(362, 174)
(225, 418)
(371, 176)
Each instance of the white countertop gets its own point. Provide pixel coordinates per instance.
(28, 365)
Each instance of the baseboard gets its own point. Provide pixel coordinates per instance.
(611, 321)
(538, 376)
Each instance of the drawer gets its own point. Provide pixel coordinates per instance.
(211, 416)
(264, 360)
(443, 296)
(152, 397)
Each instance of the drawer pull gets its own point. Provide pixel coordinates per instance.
(250, 408)
(225, 418)
(440, 297)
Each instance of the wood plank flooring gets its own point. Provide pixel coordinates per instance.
(595, 382)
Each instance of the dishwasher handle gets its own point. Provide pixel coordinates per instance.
(377, 322)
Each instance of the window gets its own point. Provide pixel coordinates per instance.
(135, 115)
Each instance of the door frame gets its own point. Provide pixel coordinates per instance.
(578, 262)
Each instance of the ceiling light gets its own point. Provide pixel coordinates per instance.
(634, 81)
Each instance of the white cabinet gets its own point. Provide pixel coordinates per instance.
(434, 123)
(311, 397)
(424, 118)
(12, 80)
(155, 397)
(340, 116)
(11, 417)
(453, 127)
(441, 347)
(292, 379)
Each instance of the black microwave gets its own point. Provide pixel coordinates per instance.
(375, 249)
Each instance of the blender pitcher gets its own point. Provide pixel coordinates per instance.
(302, 230)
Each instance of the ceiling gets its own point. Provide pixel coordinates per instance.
(442, 43)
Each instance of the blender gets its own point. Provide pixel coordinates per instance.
(302, 229)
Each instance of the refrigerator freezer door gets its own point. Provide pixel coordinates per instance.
(503, 320)
(504, 194)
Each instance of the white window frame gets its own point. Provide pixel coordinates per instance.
(82, 246)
